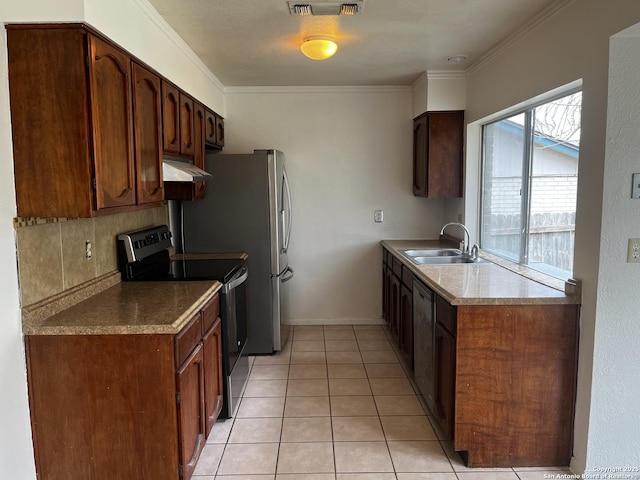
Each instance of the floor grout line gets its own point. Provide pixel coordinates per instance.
(327, 379)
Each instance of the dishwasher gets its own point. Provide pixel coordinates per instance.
(423, 342)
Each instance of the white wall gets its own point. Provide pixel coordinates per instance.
(138, 28)
(348, 152)
(569, 45)
(131, 23)
(16, 454)
(437, 91)
(615, 423)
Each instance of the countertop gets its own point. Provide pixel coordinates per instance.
(128, 308)
(484, 283)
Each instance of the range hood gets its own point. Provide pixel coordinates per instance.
(174, 170)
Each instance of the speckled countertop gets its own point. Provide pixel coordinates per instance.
(485, 283)
(127, 308)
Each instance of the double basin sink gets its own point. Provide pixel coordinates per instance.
(439, 256)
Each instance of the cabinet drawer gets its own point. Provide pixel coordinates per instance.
(396, 266)
(187, 339)
(210, 313)
(407, 278)
(446, 315)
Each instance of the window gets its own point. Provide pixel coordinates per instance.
(529, 185)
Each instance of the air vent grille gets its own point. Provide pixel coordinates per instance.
(302, 10)
(325, 7)
(348, 9)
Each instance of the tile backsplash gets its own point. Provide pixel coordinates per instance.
(52, 256)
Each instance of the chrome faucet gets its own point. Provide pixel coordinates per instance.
(465, 244)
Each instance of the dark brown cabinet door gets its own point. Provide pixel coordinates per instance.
(405, 334)
(210, 134)
(170, 118)
(445, 376)
(50, 131)
(437, 154)
(147, 116)
(200, 119)
(219, 131)
(420, 156)
(111, 120)
(191, 424)
(187, 134)
(212, 344)
(394, 307)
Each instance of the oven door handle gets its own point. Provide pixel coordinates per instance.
(236, 282)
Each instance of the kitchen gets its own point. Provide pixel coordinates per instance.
(376, 169)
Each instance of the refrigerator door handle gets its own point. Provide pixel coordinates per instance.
(287, 225)
(285, 277)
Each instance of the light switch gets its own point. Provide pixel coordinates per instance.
(635, 189)
(378, 216)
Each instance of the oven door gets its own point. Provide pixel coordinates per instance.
(234, 300)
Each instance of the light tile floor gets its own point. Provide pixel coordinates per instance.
(336, 404)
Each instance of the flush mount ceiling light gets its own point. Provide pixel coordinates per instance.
(456, 58)
(319, 48)
(325, 7)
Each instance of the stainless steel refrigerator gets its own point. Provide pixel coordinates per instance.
(247, 209)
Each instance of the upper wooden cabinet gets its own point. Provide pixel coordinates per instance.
(74, 106)
(90, 124)
(437, 154)
(111, 122)
(187, 140)
(147, 109)
(197, 190)
(171, 118)
(180, 123)
(219, 131)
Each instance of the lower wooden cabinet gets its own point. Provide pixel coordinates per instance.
(124, 406)
(397, 304)
(405, 333)
(504, 376)
(190, 399)
(212, 346)
(444, 379)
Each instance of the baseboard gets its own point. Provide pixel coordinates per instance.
(577, 468)
(334, 321)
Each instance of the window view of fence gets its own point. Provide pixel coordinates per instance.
(530, 177)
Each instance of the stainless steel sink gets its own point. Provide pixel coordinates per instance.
(443, 260)
(436, 252)
(439, 256)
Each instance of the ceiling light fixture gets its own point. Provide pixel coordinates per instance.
(456, 59)
(319, 48)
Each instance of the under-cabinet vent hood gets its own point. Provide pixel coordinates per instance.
(180, 171)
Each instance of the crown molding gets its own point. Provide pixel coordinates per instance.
(318, 89)
(445, 74)
(176, 39)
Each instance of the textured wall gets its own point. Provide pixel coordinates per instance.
(570, 45)
(348, 152)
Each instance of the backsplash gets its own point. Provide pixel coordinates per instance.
(52, 255)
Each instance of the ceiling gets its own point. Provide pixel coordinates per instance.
(392, 42)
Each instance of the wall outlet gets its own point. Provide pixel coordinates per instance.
(87, 249)
(378, 216)
(633, 251)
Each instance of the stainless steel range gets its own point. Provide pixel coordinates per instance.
(143, 255)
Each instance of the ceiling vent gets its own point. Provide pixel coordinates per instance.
(325, 7)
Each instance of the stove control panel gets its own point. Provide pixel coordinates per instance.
(143, 243)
